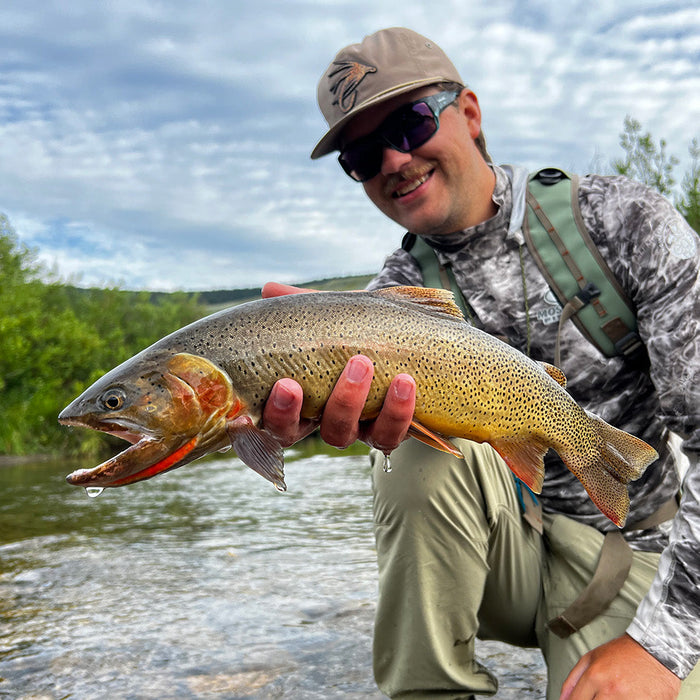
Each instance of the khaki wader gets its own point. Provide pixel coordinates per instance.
(456, 561)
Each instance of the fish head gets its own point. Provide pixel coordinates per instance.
(172, 408)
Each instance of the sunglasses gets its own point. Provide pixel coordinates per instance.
(404, 130)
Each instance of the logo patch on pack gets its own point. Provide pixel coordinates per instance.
(552, 311)
(349, 75)
(680, 239)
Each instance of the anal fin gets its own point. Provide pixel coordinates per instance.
(424, 435)
(525, 459)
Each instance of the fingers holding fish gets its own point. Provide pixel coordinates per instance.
(391, 426)
(341, 414)
(340, 425)
(282, 413)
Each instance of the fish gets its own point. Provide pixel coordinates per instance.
(202, 389)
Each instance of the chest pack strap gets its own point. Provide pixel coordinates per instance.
(608, 578)
(576, 272)
(570, 262)
(435, 274)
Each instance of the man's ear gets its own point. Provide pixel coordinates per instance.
(469, 107)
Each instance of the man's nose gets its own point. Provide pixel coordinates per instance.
(393, 160)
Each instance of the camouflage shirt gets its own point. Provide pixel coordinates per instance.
(655, 256)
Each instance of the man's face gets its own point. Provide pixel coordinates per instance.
(440, 187)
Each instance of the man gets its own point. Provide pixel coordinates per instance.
(457, 559)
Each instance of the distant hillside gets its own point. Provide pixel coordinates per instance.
(216, 299)
(221, 298)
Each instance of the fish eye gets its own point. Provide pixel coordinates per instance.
(113, 399)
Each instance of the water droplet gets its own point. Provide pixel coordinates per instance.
(93, 491)
(387, 463)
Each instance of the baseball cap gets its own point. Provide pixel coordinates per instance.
(385, 64)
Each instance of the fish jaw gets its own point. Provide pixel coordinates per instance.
(171, 415)
(142, 460)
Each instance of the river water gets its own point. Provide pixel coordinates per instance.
(203, 583)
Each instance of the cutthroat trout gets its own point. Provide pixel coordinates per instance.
(202, 389)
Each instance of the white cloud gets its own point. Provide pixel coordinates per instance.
(166, 145)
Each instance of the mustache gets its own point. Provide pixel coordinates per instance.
(412, 172)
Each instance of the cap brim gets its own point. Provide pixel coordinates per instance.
(329, 142)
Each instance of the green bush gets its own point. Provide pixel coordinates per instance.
(55, 340)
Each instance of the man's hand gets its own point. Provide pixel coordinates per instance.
(276, 289)
(620, 670)
(340, 424)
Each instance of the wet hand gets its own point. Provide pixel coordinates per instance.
(340, 424)
(282, 412)
(620, 670)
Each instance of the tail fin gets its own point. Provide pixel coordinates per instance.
(619, 459)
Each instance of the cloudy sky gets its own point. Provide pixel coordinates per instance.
(165, 144)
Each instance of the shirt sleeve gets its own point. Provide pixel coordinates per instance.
(659, 263)
(400, 268)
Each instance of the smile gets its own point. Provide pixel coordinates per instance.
(410, 186)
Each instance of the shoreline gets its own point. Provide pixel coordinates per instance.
(16, 460)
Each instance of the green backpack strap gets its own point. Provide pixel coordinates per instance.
(574, 269)
(435, 274)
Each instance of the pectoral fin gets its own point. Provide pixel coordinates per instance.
(258, 449)
(420, 432)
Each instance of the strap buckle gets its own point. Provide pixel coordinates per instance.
(588, 293)
(629, 344)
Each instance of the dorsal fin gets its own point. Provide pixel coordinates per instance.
(555, 373)
(436, 300)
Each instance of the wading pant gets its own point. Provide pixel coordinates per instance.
(457, 561)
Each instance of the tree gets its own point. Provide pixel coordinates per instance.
(645, 161)
(648, 163)
(689, 203)
(16, 261)
(55, 340)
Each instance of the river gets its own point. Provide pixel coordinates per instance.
(203, 583)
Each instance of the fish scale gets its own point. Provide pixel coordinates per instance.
(207, 383)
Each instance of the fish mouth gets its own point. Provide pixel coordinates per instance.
(147, 456)
(125, 430)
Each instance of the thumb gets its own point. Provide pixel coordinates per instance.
(574, 677)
